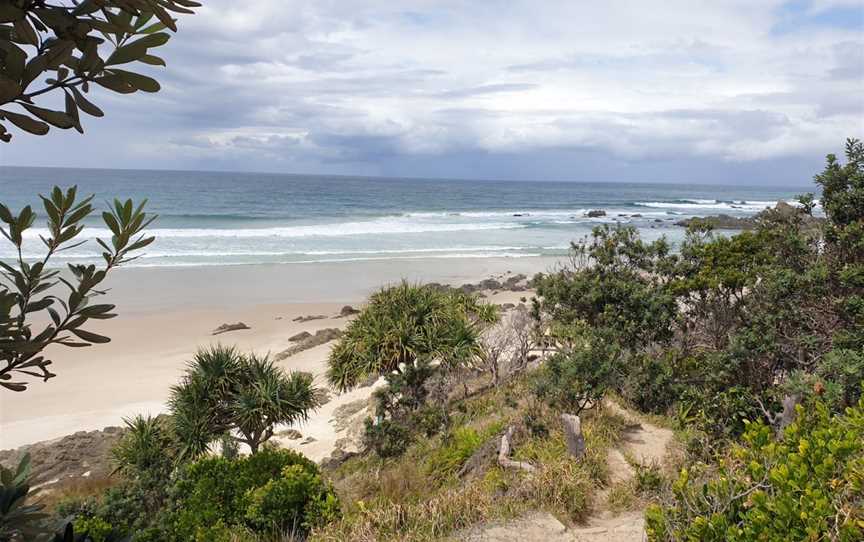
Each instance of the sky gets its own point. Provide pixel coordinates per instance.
(684, 91)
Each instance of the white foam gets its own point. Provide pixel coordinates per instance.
(745, 206)
(372, 227)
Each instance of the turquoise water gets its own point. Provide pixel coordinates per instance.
(244, 218)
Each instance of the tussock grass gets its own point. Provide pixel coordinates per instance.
(418, 497)
(75, 490)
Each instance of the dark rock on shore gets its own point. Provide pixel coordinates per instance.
(303, 335)
(347, 310)
(321, 336)
(595, 213)
(309, 318)
(225, 328)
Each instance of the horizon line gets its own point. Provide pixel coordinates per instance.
(404, 178)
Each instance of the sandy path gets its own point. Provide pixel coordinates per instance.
(645, 443)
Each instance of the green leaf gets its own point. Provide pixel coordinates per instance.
(116, 83)
(141, 82)
(25, 123)
(155, 27)
(90, 336)
(111, 222)
(57, 118)
(72, 111)
(152, 60)
(25, 32)
(86, 105)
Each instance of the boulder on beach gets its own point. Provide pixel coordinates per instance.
(595, 213)
(321, 336)
(347, 310)
(309, 318)
(303, 335)
(225, 328)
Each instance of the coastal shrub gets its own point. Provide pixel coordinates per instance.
(71, 35)
(295, 502)
(25, 301)
(576, 379)
(806, 486)
(266, 492)
(612, 283)
(225, 392)
(653, 383)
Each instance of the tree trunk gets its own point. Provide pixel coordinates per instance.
(573, 432)
(504, 453)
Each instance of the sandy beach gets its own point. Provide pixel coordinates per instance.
(167, 313)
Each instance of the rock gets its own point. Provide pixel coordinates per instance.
(720, 222)
(309, 318)
(308, 440)
(336, 458)
(508, 306)
(784, 209)
(657, 220)
(303, 335)
(637, 215)
(225, 328)
(321, 336)
(344, 414)
(291, 434)
(482, 459)
(84, 454)
(595, 213)
(347, 310)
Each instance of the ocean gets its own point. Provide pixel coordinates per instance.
(208, 218)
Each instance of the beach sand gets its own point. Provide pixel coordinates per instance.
(167, 313)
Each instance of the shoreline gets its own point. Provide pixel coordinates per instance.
(165, 314)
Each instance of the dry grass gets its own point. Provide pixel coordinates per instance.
(419, 498)
(78, 488)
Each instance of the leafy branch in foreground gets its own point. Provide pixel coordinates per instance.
(26, 288)
(76, 44)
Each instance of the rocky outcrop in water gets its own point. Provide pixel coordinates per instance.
(781, 211)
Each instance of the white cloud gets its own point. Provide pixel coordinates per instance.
(363, 82)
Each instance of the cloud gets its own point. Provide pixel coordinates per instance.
(427, 88)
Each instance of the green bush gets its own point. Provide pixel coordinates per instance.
(652, 383)
(387, 438)
(809, 485)
(295, 502)
(254, 491)
(577, 379)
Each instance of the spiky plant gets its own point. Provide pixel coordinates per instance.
(146, 449)
(19, 520)
(245, 396)
(404, 323)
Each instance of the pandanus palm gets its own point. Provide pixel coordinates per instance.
(403, 324)
(226, 392)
